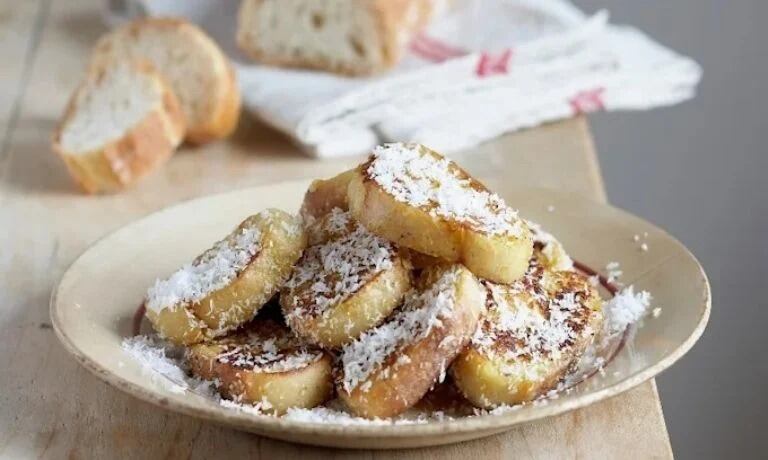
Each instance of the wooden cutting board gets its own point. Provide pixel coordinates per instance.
(50, 407)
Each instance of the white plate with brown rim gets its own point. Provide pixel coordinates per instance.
(93, 306)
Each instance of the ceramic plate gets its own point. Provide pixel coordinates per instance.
(93, 306)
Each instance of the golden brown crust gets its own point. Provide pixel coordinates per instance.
(226, 115)
(395, 28)
(142, 149)
(409, 374)
(323, 195)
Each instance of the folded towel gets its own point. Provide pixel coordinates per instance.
(481, 69)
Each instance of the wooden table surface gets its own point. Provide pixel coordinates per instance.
(50, 407)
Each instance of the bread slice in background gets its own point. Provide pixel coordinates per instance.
(199, 73)
(353, 37)
(121, 123)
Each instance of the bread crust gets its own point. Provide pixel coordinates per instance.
(142, 149)
(224, 97)
(226, 117)
(389, 20)
(323, 195)
(406, 376)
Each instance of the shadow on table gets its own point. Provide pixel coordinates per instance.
(253, 137)
(32, 167)
(30, 164)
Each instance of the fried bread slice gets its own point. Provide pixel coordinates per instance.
(265, 364)
(391, 367)
(324, 195)
(347, 282)
(420, 200)
(225, 286)
(534, 331)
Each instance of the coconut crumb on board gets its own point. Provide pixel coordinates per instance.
(411, 174)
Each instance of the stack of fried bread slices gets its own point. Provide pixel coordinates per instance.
(395, 276)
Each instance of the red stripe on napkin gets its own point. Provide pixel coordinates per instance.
(587, 101)
(434, 50)
(490, 64)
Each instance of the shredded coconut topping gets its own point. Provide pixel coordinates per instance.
(213, 270)
(539, 316)
(268, 349)
(414, 175)
(421, 312)
(330, 272)
(625, 308)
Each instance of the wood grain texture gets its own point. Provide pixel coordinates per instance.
(51, 408)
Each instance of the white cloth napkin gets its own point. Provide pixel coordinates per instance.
(483, 68)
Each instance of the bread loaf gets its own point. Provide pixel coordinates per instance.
(353, 37)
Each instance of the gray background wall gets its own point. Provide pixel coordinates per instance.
(699, 170)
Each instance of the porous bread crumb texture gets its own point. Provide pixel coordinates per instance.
(420, 314)
(213, 270)
(191, 62)
(329, 273)
(541, 316)
(108, 105)
(355, 37)
(268, 348)
(418, 177)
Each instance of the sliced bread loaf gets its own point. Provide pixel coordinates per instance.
(200, 74)
(121, 123)
(354, 37)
